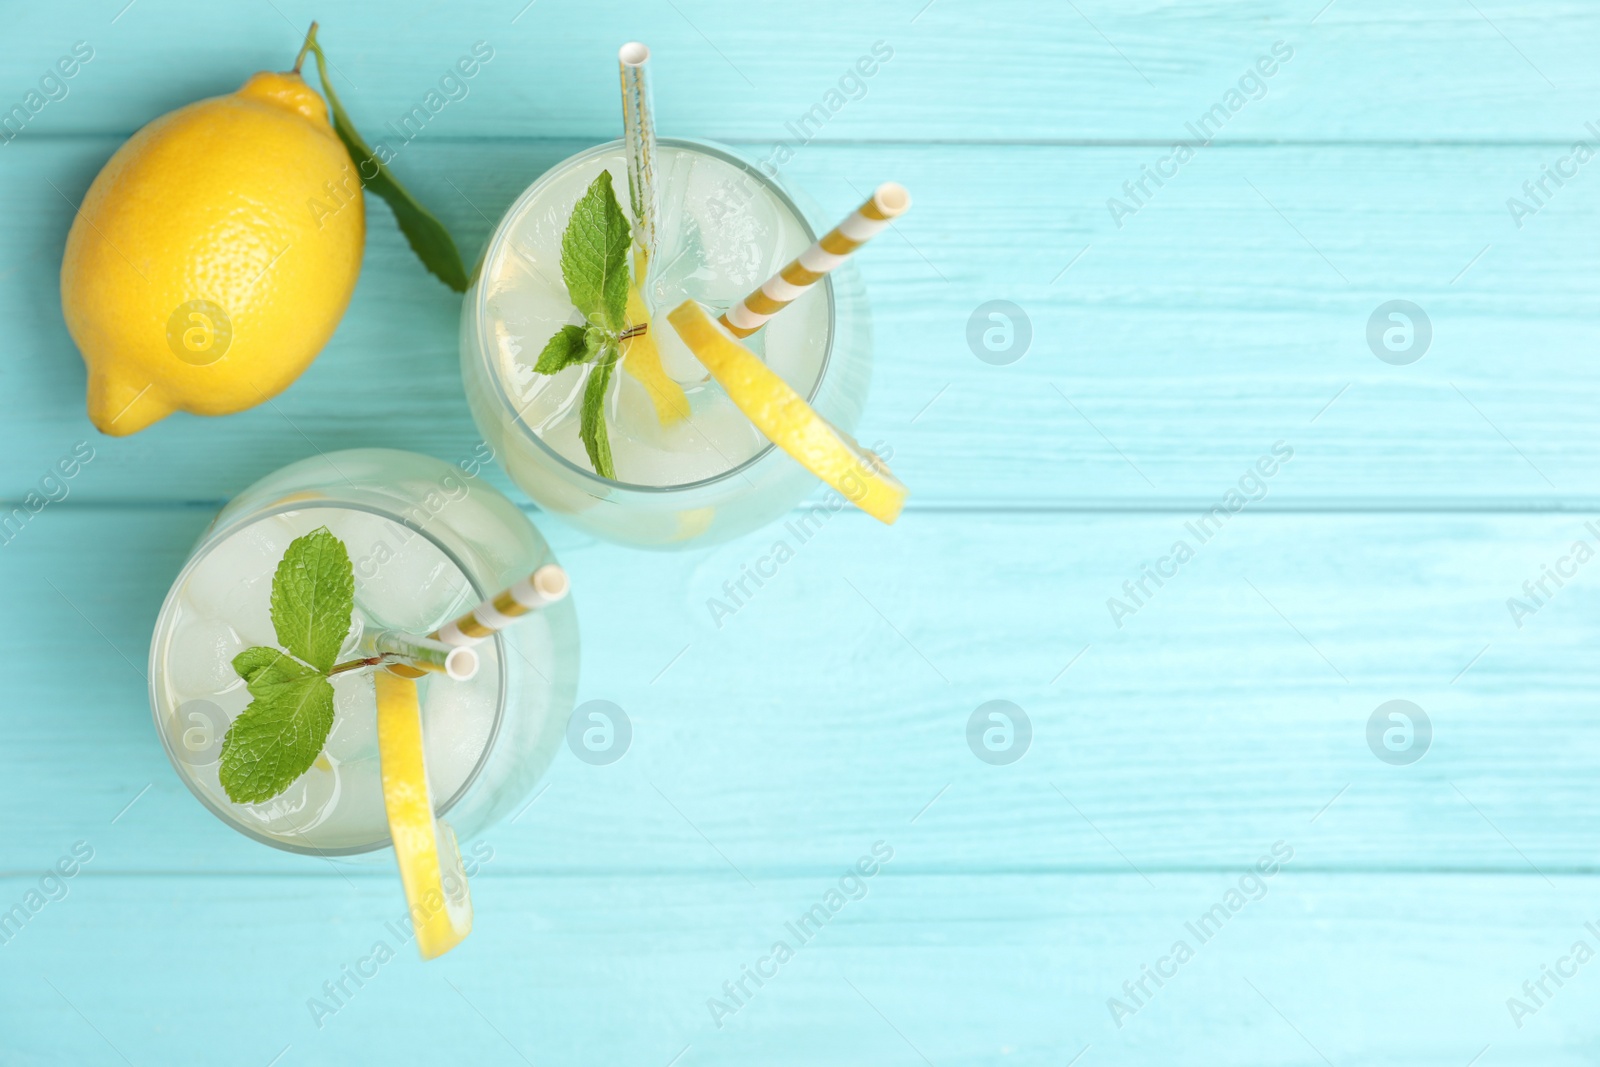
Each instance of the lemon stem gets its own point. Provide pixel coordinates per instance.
(311, 39)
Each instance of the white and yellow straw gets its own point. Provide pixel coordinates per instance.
(543, 587)
(457, 662)
(890, 200)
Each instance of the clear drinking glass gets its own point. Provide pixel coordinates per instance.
(725, 228)
(427, 542)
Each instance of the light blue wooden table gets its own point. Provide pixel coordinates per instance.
(1177, 336)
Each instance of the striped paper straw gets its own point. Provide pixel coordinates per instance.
(888, 201)
(544, 586)
(639, 134)
(457, 662)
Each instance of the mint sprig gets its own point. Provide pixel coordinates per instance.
(594, 266)
(594, 255)
(424, 232)
(279, 735)
(567, 347)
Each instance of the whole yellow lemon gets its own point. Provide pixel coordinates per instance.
(213, 255)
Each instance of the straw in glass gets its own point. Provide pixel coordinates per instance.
(544, 586)
(888, 201)
(457, 662)
(639, 134)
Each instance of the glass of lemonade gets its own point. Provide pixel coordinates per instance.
(427, 542)
(724, 228)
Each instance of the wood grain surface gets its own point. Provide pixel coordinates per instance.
(1177, 337)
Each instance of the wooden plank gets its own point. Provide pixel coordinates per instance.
(964, 969)
(1231, 311)
(833, 701)
(1360, 70)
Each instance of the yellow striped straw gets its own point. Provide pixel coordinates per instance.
(458, 662)
(890, 200)
(543, 587)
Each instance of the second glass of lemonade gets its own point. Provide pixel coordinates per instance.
(724, 228)
(426, 543)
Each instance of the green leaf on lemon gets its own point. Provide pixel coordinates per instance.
(424, 232)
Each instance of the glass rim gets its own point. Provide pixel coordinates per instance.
(204, 548)
(497, 240)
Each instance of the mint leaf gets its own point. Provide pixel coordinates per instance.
(592, 428)
(279, 736)
(424, 232)
(253, 661)
(594, 256)
(270, 669)
(562, 351)
(313, 596)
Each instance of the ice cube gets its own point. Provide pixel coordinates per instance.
(412, 589)
(714, 439)
(298, 809)
(244, 555)
(457, 718)
(630, 411)
(354, 735)
(676, 359)
(248, 608)
(492, 525)
(527, 307)
(741, 231)
(679, 268)
(548, 398)
(365, 536)
(232, 700)
(200, 657)
(296, 524)
(536, 236)
(352, 640)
